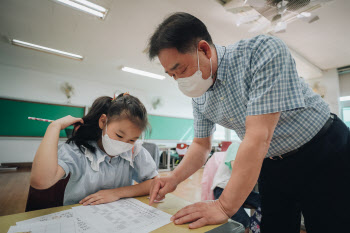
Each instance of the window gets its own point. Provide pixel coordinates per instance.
(234, 136)
(345, 110)
(346, 115)
(223, 134)
(220, 133)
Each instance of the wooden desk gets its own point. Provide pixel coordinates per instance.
(170, 205)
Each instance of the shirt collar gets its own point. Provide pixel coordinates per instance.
(95, 158)
(221, 52)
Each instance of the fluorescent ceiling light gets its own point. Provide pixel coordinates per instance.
(92, 5)
(143, 73)
(345, 98)
(303, 15)
(46, 49)
(86, 6)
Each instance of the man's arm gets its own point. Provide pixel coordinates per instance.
(194, 159)
(245, 173)
(248, 163)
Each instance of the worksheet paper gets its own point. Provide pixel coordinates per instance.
(66, 214)
(81, 225)
(53, 226)
(123, 216)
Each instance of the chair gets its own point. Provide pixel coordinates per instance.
(224, 145)
(153, 149)
(47, 198)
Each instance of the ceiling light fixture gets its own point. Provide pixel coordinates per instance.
(86, 6)
(143, 73)
(46, 49)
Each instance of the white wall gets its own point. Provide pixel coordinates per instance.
(32, 85)
(330, 82)
(44, 87)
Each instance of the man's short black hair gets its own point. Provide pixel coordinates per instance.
(181, 31)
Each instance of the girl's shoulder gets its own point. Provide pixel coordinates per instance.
(71, 149)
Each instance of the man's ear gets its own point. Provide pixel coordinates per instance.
(204, 47)
(102, 121)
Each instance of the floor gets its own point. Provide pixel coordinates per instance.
(15, 185)
(14, 191)
(190, 189)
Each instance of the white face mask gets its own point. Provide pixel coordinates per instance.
(114, 147)
(195, 85)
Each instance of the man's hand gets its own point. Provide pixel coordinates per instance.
(102, 196)
(160, 187)
(201, 214)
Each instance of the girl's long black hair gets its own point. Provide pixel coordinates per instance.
(125, 106)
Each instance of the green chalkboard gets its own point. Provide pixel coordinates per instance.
(170, 128)
(15, 113)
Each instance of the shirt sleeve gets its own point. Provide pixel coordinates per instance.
(275, 85)
(203, 127)
(68, 159)
(144, 167)
(231, 154)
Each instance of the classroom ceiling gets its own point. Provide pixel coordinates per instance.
(120, 39)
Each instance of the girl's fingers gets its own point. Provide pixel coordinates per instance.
(86, 198)
(91, 200)
(76, 127)
(78, 124)
(98, 202)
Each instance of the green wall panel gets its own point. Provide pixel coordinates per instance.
(14, 117)
(170, 128)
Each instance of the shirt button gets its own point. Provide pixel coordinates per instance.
(231, 119)
(222, 98)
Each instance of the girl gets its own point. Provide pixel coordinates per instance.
(102, 157)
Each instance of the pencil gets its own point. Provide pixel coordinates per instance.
(39, 119)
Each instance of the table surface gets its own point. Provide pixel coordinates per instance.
(170, 205)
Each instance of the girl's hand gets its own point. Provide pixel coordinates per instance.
(66, 121)
(102, 196)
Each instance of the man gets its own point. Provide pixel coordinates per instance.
(288, 135)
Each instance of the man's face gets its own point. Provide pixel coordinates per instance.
(183, 65)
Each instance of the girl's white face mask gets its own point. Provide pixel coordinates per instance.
(195, 85)
(114, 147)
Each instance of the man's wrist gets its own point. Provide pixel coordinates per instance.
(226, 208)
(175, 177)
